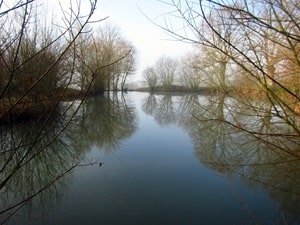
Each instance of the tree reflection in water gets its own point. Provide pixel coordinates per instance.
(34, 155)
(229, 138)
(162, 108)
(44, 153)
(106, 121)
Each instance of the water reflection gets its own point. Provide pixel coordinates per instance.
(161, 107)
(106, 121)
(33, 156)
(36, 155)
(230, 149)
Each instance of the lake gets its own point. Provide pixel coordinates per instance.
(156, 159)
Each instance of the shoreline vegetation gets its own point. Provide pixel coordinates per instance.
(13, 109)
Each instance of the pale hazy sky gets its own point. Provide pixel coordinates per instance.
(151, 42)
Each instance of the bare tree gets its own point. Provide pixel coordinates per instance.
(150, 77)
(107, 58)
(190, 73)
(128, 64)
(165, 68)
(263, 44)
(126, 52)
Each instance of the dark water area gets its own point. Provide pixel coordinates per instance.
(150, 159)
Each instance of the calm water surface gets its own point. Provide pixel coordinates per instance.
(160, 166)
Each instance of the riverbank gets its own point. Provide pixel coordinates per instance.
(14, 108)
